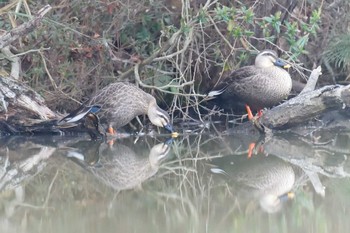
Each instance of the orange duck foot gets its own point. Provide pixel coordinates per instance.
(254, 149)
(254, 120)
(111, 130)
(251, 149)
(250, 114)
(249, 111)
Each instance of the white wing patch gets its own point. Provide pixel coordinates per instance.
(216, 93)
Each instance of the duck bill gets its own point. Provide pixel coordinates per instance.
(287, 196)
(169, 127)
(282, 64)
(287, 66)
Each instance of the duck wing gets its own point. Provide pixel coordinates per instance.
(79, 113)
(235, 79)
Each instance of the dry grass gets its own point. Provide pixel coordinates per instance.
(175, 49)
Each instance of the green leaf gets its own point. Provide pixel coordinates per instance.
(302, 42)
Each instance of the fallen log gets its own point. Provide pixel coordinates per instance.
(18, 99)
(307, 105)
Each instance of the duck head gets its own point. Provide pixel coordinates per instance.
(269, 58)
(159, 117)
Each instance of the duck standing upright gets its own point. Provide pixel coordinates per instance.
(264, 84)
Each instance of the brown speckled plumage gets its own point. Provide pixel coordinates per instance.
(121, 102)
(264, 84)
(121, 167)
(263, 178)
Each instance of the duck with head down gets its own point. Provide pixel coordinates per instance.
(119, 103)
(264, 84)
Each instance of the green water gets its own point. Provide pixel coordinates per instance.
(194, 183)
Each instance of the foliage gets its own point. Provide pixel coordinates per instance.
(242, 22)
(338, 52)
(82, 47)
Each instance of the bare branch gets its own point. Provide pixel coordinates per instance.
(23, 29)
(150, 59)
(163, 88)
(311, 83)
(15, 62)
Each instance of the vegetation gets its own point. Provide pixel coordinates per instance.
(182, 47)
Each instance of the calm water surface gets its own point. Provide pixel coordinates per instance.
(194, 183)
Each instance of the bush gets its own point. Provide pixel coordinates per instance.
(183, 50)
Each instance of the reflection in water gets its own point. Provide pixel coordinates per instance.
(267, 179)
(21, 159)
(119, 166)
(206, 184)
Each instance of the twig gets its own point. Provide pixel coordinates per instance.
(7, 7)
(50, 188)
(15, 62)
(29, 51)
(23, 29)
(185, 46)
(150, 59)
(219, 32)
(47, 70)
(138, 80)
(52, 80)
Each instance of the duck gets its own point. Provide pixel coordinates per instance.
(270, 181)
(262, 85)
(120, 102)
(120, 166)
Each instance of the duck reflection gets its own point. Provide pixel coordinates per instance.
(267, 179)
(121, 166)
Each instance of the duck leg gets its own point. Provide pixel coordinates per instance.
(255, 119)
(251, 149)
(255, 148)
(249, 111)
(111, 130)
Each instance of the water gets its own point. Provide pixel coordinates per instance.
(194, 183)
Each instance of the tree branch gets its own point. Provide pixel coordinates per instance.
(23, 29)
(150, 59)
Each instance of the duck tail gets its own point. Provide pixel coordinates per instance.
(216, 92)
(78, 114)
